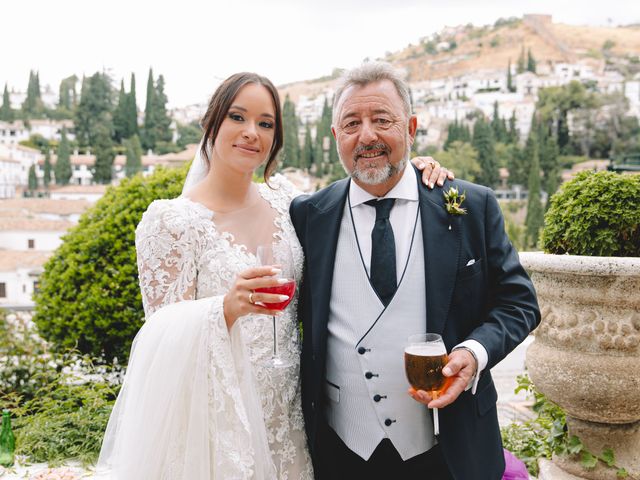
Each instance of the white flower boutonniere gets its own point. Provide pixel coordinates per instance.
(453, 202)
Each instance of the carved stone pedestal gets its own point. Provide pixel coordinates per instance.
(586, 353)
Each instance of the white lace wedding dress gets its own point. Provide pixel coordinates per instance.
(200, 401)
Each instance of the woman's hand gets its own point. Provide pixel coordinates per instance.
(242, 299)
(432, 172)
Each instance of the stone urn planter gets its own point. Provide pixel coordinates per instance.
(586, 353)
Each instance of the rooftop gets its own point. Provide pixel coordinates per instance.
(10, 260)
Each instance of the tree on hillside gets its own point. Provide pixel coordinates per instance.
(67, 97)
(133, 163)
(521, 62)
(93, 116)
(149, 130)
(46, 179)
(103, 145)
(161, 114)
(483, 142)
(132, 109)
(535, 212)
(291, 147)
(510, 87)
(187, 134)
(62, 168)
(498, 125)
(531, 62)
(120, 120)
(33, 107)
(33, 179)
(462, 158)
(6, 112)
(306, 155)
(513, 135)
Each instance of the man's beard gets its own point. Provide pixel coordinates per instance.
(376, 176)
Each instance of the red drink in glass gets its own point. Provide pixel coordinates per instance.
(285, 289)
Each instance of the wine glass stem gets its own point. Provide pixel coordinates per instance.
(275, 343)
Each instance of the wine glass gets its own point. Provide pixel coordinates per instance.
(424, 357)
(279, 255)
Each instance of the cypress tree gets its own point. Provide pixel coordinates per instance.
(452, 134)
(132, 109)
(510, 86)
(149, 129)
(531, 62)
(306, 156)
(535, 213)
(94, 113)
(291, 147)
(32, 107)
(521, 62)
(134, 156)
(67, 99)
(513, 130)
(6, 112)
(102, 143)
(62, 167)
(483, 142)
(46, 179)
(33, 179)
(498, 126)
(120, 123)
(161, 115)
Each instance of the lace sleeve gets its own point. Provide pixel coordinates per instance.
(166, 244)
(285, 186)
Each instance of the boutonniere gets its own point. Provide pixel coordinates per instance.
(453, 202)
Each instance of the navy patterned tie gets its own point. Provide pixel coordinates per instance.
(383, 251)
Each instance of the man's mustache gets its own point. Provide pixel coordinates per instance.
(368, 148)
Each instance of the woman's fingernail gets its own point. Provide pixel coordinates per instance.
(440, 183)
(282, 298)
(431, 185)
(282, 281)
(276, 271)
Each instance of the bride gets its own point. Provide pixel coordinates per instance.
(199, 400)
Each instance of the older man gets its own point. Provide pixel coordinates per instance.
(385, 259)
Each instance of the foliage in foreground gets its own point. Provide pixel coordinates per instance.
(67, 417)
(89, 297)
(595, 214)
(546, 435)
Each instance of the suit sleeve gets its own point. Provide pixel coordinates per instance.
(512, 307)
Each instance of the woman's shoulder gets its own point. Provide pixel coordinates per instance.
(281, 187)
(174, 215)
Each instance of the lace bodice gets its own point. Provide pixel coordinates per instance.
(182, 255)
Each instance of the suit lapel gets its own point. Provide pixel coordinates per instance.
(441, 252)
(323, 228)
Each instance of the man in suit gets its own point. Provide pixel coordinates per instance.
(385, 259)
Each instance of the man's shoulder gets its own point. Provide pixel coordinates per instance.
(323, 195)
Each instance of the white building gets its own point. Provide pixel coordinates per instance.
(15, 161)
(23, 234)
(19, 273)
(52, 129)
(87, 193)
(10, 177)
(12, 133)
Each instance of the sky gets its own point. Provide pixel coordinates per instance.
(195, 44)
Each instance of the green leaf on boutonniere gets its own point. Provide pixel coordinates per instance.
(453, 201)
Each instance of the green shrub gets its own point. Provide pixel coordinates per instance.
(596, 214)
(89, 296)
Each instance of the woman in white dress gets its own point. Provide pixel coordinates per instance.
(199, 400)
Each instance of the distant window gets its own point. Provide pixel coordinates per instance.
(3, 290)
(24, 288)
(36, 287)
(32, 243)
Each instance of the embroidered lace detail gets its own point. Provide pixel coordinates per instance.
(182, 256)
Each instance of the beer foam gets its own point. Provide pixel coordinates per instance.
(426, 349)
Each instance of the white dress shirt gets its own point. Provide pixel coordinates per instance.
(402, 218)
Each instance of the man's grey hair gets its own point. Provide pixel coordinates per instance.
(372, 72)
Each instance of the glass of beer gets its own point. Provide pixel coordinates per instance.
(424, 357)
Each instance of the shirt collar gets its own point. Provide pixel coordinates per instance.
(405, 189)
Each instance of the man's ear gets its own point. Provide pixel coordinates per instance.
(413, 127)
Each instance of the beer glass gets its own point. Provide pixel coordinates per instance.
(280, 256)
(424, 357)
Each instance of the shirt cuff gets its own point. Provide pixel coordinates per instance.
(482, 357)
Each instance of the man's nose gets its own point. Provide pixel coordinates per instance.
(368, 133)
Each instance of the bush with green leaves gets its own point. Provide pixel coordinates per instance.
(546, 435)
(595, 214)
(89, 296)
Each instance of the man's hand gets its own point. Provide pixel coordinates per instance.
(432, 172)
(460, 370)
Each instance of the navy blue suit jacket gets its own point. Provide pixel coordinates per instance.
(492, 301)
